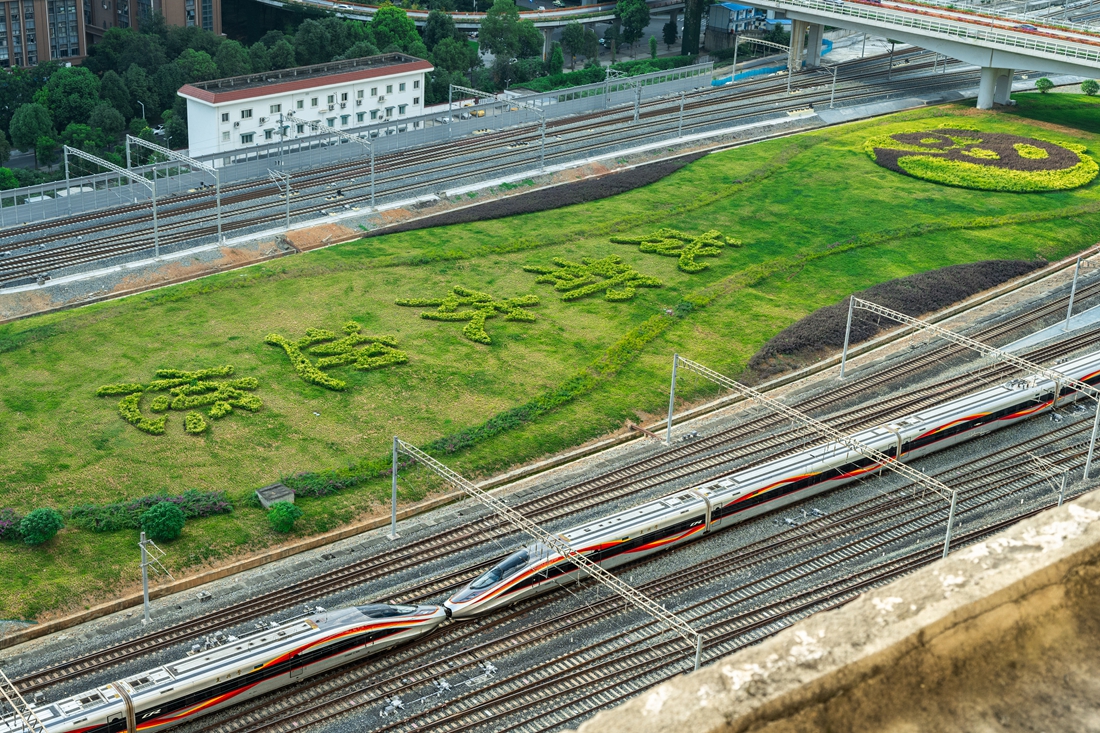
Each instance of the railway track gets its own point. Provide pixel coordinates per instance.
(560, 503)
(878, 522)
(473, 159)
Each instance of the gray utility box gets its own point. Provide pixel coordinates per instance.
(268, 495)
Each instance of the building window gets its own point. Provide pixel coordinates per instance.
(269, 134)
(401, 108)
(225, 117)
(416, 83)
(276, 109)
(389, 111)
(344, 119)
(359, 116)
(246, 137)
(313, 102)
(401, 87)
(301, 129)
(225, 136)
(246, 114)
(332, 99)
(331, 121)
(343, 96)
(359, 94)
(389, 89)
(374, 91)
(416, 100)
(374, 114)
(300, 104)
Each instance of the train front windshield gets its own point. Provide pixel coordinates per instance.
(506, 568)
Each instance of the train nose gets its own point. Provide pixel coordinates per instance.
(447, 610)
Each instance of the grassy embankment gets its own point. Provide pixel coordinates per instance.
(790, 201)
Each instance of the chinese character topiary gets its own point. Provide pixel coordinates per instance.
(685, 247)
(575, 280)
(359, 350)
(477, 308)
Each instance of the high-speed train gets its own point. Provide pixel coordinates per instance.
(232, 670)
(689, 514)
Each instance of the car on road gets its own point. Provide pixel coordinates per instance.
(344, 6)
(443, 120)
(558, 4)
(159, 130)
(1025, 27)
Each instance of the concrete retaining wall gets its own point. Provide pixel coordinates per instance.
(1002, 635)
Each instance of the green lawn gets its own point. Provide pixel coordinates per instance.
(581, 368)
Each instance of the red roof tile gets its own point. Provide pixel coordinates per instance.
(286, 87)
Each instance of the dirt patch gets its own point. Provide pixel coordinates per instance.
(320, 236)
(579, 192)
(822, 332)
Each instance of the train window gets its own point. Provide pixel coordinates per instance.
(92, 699)
(382, 610)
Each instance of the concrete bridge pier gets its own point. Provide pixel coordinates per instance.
(995, 87)
(813, 45)
(798, 41)
(546, 33)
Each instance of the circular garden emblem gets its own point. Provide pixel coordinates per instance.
(990, 161)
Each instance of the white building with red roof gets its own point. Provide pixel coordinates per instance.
(234, 114)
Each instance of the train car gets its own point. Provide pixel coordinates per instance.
(229, 670)
(689, 514)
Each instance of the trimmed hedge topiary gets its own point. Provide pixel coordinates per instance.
(9, 524)
(481, 306)
(127, 515)
(984, 161)
(361, 351)
(163, 522)
(283, 515)
(40, 526)
(575, 280)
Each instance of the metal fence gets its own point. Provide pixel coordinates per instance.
(105, 191)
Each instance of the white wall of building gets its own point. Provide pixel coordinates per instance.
(241, 124)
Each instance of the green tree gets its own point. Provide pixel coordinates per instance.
(113, 91)
(107, 120)
(1044, 85)
(1090, 87)
(361, 49)
(165, 82)
(693, 20)
(282, 55)
(70, 95)
(154, 25)
(30, 122)
(232, 59)
(634, 15)
(391, 26)
(572, 41)
(591, 46)
(440, 25)
(163, 522)
(312, 43)
(81, 136)
(5, 148)
(283, 515)
(40, 526)
(450, 55)
(498, 32)
(556, 60)
(653, 47)
(197, 66)
(259, 58)
(181, 38)
(45, 150)
(8, 180)
(137, 125)
(146, 102)
(614, 38)
(175, 126)
(669, 32)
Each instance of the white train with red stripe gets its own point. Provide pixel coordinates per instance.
(689, 514)
(232, 670)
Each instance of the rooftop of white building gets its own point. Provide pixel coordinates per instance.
(300, 78)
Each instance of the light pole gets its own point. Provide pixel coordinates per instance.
(142, 108)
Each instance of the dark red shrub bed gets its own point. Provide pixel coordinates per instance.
(591, 189)
(823, 330)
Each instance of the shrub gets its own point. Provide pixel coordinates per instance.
(163, 522)
(1090, 87)
(127, 515)
(1044, 85)
(40, 526)
(283, 515)
(130, 411)
(9, 524)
